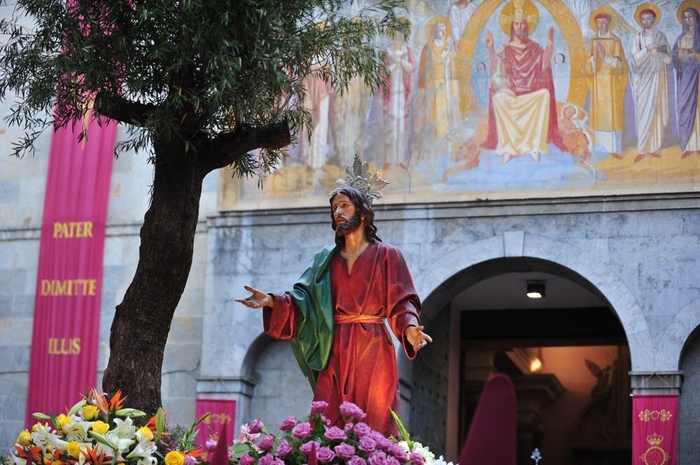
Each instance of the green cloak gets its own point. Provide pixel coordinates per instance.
(312, 296)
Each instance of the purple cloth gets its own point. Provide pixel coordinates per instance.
(687, 71)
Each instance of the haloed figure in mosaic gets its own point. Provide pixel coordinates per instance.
(649, 55)
(606, 70)
(522, 106)
(686, 61)
(335, 315)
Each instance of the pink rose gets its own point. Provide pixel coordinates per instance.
(302, 430)
(318, 406)
(189, 460)
(308, 447)
(382, 442)
(288, 423)
(367, 444)
(344, 451)
(416, 458)
(255, 426)
(357, 461)
(377, 458)
(246, 460)
(392, 461)
(335, 434)
(284, 449)
(361, 429)
(266, 442)
(267, 459)
(325, 454)
(350, 410)
(400, 454)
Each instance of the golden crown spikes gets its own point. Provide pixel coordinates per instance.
(358, 176)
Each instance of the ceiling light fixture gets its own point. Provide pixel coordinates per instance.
(536, 289)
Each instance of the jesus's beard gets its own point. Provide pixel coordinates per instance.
(350, 226)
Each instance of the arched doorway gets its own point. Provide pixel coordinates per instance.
(688, 422)
(574, 406)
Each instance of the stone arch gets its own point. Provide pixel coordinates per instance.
(279, 390)
(689, 363)
(684, 330)
(461, 265)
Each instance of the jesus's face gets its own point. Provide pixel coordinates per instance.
(346, 216)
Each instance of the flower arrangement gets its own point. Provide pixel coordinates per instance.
(98, 430)
(314, 441)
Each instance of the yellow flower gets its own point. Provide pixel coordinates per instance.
(89, 412)
(73, 449)
(146, 432)
(25, 438)
(63, 421)
(174, 458)
(100, 427)
(36, 426)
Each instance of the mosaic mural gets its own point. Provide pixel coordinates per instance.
(522, 98)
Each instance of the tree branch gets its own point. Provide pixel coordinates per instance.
(121, 109)
(227, 148)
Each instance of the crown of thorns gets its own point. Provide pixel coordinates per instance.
(358, 176)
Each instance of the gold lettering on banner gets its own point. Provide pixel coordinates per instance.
(218, 418)
(649, 415)
(72, 230)
(68, 287)
(64, 346)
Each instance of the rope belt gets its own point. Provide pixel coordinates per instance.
(342, 319)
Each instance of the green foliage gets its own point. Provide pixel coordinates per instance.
(182, 70)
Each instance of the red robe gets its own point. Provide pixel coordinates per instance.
(362, 365)
(526, 72)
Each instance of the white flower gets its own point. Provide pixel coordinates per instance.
(43, 434)
(124, 428)
(441, 461)
(77, 430)
(144, 449)
(424, 451)
(147, 461)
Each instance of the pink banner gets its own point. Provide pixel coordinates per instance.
(63, 363)
(654, 430)
(223, 413)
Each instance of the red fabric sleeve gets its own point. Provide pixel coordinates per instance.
(280, 322)
(403, 305)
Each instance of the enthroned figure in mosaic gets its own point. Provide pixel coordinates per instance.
(522, 117)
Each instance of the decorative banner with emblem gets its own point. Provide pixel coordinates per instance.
(222, 412)
(65, 336)
(655, 430)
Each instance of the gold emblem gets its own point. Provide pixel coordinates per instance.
(649, 415)
(654, 455)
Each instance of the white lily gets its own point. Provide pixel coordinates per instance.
(43, 434)
(77, 430)
(147, 461)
